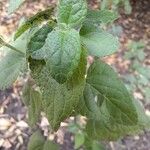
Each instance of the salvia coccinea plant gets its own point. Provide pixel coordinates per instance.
(53, 46)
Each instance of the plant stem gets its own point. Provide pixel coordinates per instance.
(3, 43)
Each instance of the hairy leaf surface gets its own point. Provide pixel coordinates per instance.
(105, 129)
(110, 110)
(37, 41)
(35, 20)
(59, 100)
(101, 16)
(113, 94)
(61, 52)
(98, 42)
(72, 12)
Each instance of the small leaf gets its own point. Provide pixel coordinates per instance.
(72, 12)
(97, 146)
(79, 140)
(101, 16)
(61, 52)
(14, 5)
(99, 43)
(144, 70)
(49, 145)
(36, 141)
(106, 4)
(35, 20)
(127, 7)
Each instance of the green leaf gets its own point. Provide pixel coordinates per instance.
(106, 4)
(32, 98)
(97, 146)
(37, 41)
(59, 100)
(35, 20)
(79, 140)
(101, 16)
(26, 93)
(61, 52)
(3, 43)
(34, 108)
(127, 7)
(105, 129)
(72, 12)
(111, 91)
(110, 110)
(145, 71)
(36, 141)
(99, 43)
(49, 145)
(12, 63)
(13, 5)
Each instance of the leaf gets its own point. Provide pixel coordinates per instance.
(72, 12)
(49, 145)
(12, 63)
(35, 20)
(99, 43)
(61, 52)
(144, 70)
(13, 5)
(79, 140)
(36, 141)
(104, 81)
(97, 146)
(127, 7)
(110, 110)
(32, 98)
(34, 109)
(59, 100)
(26, 93)
(37, 41)
(101, 16)
(106, 4)
(107, 130)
